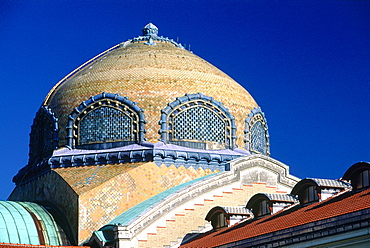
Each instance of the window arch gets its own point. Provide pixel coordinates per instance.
(363, 179)
(260, 204)
(309, 190)
(359, 175)
(219, 217)
(257, 139)
(263, 208)
(310, 194)
(198, 121)
(43, 136)
(106, 121)
(219, 220)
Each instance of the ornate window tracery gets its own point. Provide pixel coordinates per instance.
(106, 121)
(198, 121)
(256, 133)
(44, 135)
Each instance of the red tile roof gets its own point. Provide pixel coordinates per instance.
(339, 205)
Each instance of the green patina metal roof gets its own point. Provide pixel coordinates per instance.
(16, 224)
(27, 223)
(135, 211)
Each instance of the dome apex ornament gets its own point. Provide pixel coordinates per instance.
(150, 35)
(150, 30)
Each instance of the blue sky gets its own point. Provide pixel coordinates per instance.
(307, 64)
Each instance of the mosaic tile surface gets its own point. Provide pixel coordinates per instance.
(107, 191)
(151, 76)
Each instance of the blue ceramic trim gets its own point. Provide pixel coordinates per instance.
(146, 152)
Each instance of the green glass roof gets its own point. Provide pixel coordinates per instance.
(27, 223)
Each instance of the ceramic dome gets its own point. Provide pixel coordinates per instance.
(132, 125)
(148, 74)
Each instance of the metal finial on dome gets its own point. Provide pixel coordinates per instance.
(150, 35)
(150, 30)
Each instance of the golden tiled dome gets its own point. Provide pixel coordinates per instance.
(151, 72)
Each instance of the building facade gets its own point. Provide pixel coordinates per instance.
(134, 147)
(317, 213)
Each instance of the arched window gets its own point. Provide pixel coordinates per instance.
(358, 175)
(43, 136)
(363, 179)
(260, 204)
(219, 220)
(309, 190)
(105, 124)
(197, 121)
(106, 121)
(310, 194)
(256, 131)
(221, 217)
(263, 208)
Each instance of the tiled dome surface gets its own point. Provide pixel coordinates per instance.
(152, 76)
